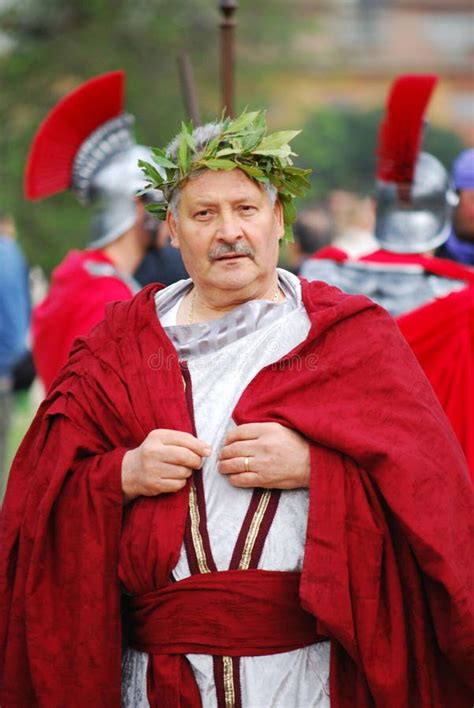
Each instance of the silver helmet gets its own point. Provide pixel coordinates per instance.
(106, 176)
(86, 144)
(414, 194)
(415, 218)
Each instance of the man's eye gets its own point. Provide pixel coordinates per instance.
(247, 208)
(202, 214)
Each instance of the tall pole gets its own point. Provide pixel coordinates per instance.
(188, 88)
(227, 25)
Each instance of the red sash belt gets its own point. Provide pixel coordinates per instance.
(225, 613)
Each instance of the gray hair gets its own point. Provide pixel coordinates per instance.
(202, 135)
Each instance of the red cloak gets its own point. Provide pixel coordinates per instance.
(74, 304)
(388, 561)
(441, 334)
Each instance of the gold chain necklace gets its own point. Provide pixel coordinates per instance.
(190, 319)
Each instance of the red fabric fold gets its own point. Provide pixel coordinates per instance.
(441, 334)
(171, 682)
(75, 302)
(225, 613)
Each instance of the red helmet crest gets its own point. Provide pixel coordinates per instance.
(67, 125)
(401, 130)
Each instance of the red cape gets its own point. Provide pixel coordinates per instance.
(441, 334)
(75, 303)
(387, 569)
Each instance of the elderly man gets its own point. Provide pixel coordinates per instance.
(250, 469)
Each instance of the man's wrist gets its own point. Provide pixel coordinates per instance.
(128, 476)
(305, 480)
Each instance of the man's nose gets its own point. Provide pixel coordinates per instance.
(229, 227)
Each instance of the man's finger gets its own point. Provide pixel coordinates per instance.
(244, 448)
(175, 455)
(168, 472)
(247, 431)
(236, 465)
(245, 480)
(181, 439)
(169, 486)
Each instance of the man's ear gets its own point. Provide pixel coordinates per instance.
(278, 208)
(139, 207)
(173, 228)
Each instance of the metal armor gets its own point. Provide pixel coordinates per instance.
(397, 288)
(421, 222)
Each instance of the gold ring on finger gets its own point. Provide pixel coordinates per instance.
(246, 464)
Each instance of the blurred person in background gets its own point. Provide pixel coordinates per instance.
(311, 232)
(14, 325)
(460, 243)
(354, 222)
(162, 262)
(432, 298)
(86, 144)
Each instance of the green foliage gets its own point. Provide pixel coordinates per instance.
(61, 43)
(242, 143)
(443, 143)
(339, 145)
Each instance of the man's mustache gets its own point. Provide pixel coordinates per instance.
(224, 249)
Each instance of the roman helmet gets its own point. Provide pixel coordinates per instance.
(414, 193)
(86, 144)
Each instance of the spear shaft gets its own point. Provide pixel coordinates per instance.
(227, 25)
(188, 88)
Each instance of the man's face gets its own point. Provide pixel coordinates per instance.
(228, 233)
(463, 219)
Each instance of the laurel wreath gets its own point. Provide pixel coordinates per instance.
(242, 144)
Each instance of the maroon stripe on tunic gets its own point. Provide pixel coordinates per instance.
(199, 486)
(201, 502)
(188, 392)
(240, 543)
(265, 528)
(190, 550)
(237, 687)
(218, 662)
(263, 531)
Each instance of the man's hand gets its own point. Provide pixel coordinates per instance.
(162, 463)
(278, 458)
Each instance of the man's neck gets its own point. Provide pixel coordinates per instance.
(200, 306)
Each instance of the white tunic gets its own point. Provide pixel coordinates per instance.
(297, 679)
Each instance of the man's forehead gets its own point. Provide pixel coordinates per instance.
(231, 196)
(220, 185)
